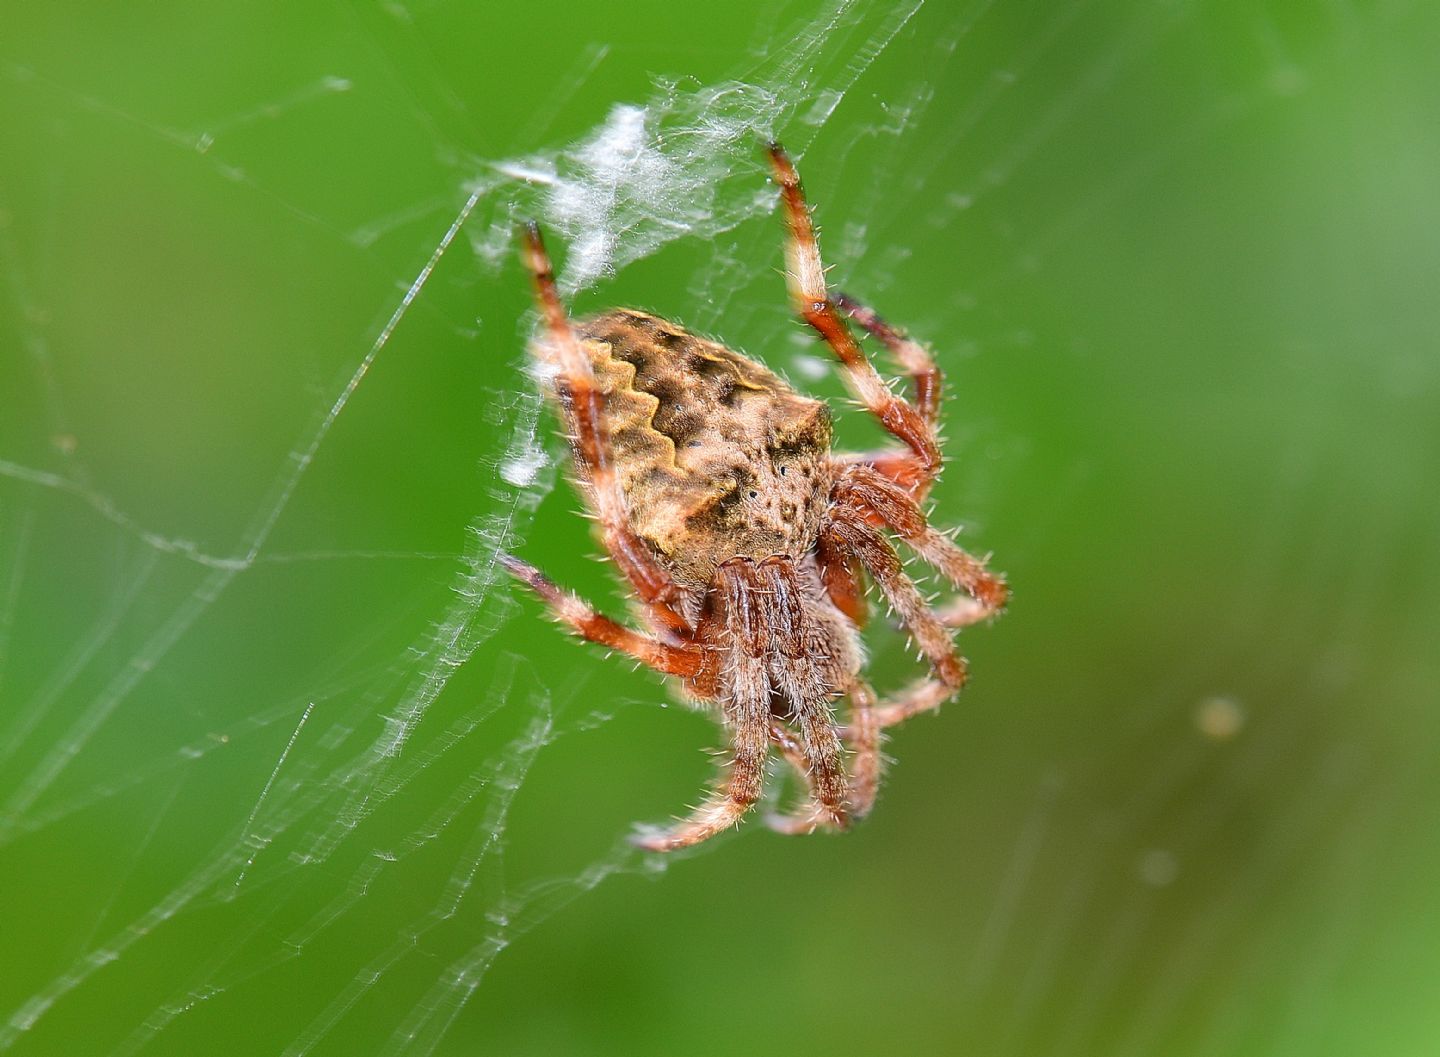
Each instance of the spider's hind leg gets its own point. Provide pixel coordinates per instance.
(743, 696)
(805, 276)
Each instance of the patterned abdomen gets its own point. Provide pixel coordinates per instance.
(716, 455)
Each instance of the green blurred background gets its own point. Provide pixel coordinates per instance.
(285, 768)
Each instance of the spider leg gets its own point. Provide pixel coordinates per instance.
(900, 465)
(796, 673)
(865, 738)
(923, 696)
(735, 794)
(840, 576)
(851, 531)
(744, 699)
(864, 733)
(869, 492)
(924, 373)
(805, 276)
(683, 661)
(810, 817)
(584, 406)
(963, 612)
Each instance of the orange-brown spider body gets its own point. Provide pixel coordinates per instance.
(747, 542)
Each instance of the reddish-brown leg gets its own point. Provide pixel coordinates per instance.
(687, 662)
(805, 277)
(583, 405)
(850, 530)
(899, 464)
(924, 696)
(869, 492)
(803, 683)
(864, 733)
(963, 612)
(744, 699)
(918, 364)
(812, 815)
(840, 576)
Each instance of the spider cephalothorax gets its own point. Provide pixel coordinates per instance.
(746, 539)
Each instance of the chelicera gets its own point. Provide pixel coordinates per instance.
(748, 542)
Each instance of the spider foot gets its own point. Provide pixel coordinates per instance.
(816, 817)
(708, 820)
(662, 839)
(648, 837)
(963, 612)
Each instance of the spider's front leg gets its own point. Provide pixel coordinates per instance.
(805, 277)
(743, 696)
(864, 734)
(685, 662)
(583, 404)
(760, 625)
(924, 373)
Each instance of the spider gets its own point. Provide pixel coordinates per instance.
(747, 541)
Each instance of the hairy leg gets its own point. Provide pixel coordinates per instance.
(898, 464)
(923, 696)
(805, 276)
(871, 494)
(840, 576)
(797, 674)
(924, 374)
(683, 661)
(583, 405)
(850, 530)
(864, 733)
(812, 815)
(744, 699)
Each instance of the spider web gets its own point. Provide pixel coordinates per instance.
(284, 768)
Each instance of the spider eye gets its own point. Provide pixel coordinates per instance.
(753, 493)
(784, 470)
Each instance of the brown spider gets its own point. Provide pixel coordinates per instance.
(744, 537)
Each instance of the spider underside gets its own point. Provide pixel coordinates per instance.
(746, 540)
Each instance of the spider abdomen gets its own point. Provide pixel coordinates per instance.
(717, 456)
